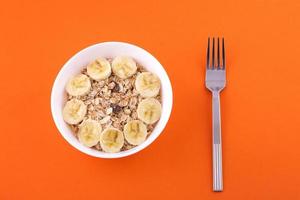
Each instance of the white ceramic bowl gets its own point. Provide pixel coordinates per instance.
(108, 49)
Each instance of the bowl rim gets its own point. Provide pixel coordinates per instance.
(120, 154)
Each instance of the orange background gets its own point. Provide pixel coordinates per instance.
(260, 105)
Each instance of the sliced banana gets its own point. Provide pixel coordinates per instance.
(78, 85)
(74, 111)
(99, 69)
(111, 140)
(135, 132)
(149, 110)
(147, 84)
(89, 132)
(124, 66)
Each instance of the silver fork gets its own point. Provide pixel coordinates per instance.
(215, 81)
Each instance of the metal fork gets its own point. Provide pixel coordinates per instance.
(215, 81)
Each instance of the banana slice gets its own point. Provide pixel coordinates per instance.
(99, 69)
(74, 111)
(78, 85)
(89, 132)
(111, 140)
(135, 132)
(149, 110)
(147, 84)
(124, 67)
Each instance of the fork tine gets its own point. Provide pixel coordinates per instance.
(218, 54)
(223, 53)
(208, 49)
(213, 53)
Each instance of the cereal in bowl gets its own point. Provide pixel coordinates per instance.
(113, 104)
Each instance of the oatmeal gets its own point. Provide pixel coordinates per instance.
(113, 105)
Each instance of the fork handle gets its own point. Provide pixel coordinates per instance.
(217, 145)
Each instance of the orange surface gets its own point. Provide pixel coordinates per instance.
(260, 105)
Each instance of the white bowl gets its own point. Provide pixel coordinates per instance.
(108, 49)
